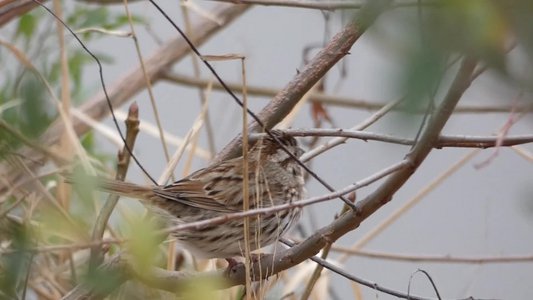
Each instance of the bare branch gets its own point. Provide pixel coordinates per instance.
(336, 100)
(10, 9)
(378, 198)
(317, 4)
(123, 163)
(288, 97)
(301, 203)
(436, 258)
(463, 141)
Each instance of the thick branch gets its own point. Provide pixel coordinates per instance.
(288, 97)
(10, 9)
(381, 196)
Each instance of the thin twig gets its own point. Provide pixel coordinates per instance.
(410, 203)
(337, 100)
(325, 252)
(354, 278)
(321, 5)
(69, 247)
(525, 154)
(457, 141)
(435, 258)
(148, 82)
(246, 185)
(382, 194)
(123, 162)
(430, 280)
(397, 167)
(196, 72)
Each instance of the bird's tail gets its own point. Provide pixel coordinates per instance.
(113, 186)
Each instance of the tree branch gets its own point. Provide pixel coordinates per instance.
(463, 141)
(288, 97)
(369, 205)
(336, 100)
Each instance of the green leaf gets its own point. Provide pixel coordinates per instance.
(33, 113)
(423, 71)
(121, 20)
(76, 63)
(94, 17)
(142, 242)
(475, 28)
(88, 142)
(26, 26)
(104, 281)
(14, 265)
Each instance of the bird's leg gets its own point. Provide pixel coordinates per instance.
(232, 263)
(254, 259)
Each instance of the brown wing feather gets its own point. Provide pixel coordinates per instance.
(217, 188)
(191, 193)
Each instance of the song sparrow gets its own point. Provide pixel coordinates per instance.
(274, 178)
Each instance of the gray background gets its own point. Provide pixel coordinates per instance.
(475, 212)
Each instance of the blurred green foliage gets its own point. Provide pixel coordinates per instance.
(143, 244)
(27, 107)
(27, 25)
(443, 31)
(39, 43)
(14, 265)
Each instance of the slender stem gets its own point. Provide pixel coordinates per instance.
(132, 129)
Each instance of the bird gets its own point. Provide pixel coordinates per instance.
(274, 178)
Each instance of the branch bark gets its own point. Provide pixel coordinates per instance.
(288, 97)
(366, 207)
(10, 9)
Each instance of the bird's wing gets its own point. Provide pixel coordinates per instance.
(207, 189)
(192, 193)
